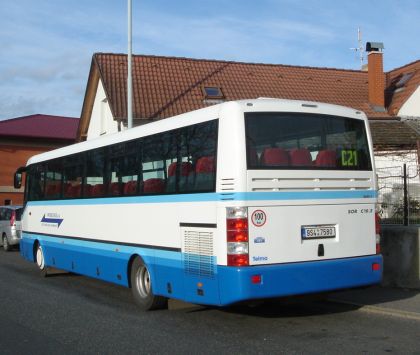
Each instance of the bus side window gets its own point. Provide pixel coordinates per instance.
(53, 184)
(158, 153)
(200, 142)
(171, 181)
(95, 172)
(73, 176)
(36, 175)
(205, 173)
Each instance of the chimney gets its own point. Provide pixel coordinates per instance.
(376, 77)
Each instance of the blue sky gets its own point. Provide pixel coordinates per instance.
(46, 46)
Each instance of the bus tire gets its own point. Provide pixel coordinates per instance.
(6, 245)
(141, 288)
(40, 259)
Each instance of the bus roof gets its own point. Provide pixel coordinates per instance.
(198, 116)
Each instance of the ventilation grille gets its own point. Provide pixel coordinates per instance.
(310, 184)
(198, 253)
(227, 184)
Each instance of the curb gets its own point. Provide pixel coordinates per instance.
(380, 310)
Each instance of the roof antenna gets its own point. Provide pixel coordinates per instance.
(360, 47)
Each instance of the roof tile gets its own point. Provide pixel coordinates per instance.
(40, 126)
(396, 97)
(166, 86)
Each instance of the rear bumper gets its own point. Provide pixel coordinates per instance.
(14, 241)
(297, 278)
(14, 237)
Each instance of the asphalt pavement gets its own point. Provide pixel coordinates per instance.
(391, 301)
(72, 314)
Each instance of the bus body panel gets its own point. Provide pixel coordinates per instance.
(280, 239)
(297, 278)
(229, 285)
(128, 220)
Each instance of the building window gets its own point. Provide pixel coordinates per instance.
(213, 92)
(403, 80)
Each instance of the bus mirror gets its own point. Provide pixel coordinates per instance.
(17, 181)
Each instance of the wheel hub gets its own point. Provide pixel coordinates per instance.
(143, 282)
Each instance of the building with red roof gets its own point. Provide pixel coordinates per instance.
(168, 86)
(23, 137)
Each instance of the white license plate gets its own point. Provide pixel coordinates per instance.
(309, 232)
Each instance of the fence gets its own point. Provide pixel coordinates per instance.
(399, 194)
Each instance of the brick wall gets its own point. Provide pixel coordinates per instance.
(13, 156)
(376, 79)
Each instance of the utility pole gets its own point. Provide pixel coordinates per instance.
(129, 70)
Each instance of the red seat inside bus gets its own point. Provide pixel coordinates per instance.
(73, 190)
(205, 165)
(326, 158)
(186, 170)
(275, 156)
(98, 190)
(205, 173)
(130, 187)
(300, 157)
(53, 189)
(154, 185)
(114, 189)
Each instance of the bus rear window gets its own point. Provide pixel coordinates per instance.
(305, 141)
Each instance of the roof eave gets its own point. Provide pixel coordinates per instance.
(88, 101)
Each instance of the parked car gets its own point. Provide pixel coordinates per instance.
(10, 226)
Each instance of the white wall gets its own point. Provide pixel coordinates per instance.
(386, 159)
(101, 122)
(412, 106)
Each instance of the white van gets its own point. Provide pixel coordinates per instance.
(10, 226)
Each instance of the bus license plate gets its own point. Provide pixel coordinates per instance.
(309, 232)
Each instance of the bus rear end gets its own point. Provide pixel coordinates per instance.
(307, 223)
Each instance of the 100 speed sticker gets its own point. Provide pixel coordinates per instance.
(258, 218)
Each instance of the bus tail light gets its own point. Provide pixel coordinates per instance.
(376, 267)
(378, 232)
(256, 279)
(13, 218)
(237, 236)
(238, 260)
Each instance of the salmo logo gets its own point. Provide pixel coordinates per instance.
(51, 220)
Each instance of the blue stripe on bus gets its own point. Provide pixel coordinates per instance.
(206, 197)
(172, 278)
(82, 256)
(109, 262)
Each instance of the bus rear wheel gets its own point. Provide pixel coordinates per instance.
(142, 289)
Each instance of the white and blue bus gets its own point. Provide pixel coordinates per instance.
(243, 200)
